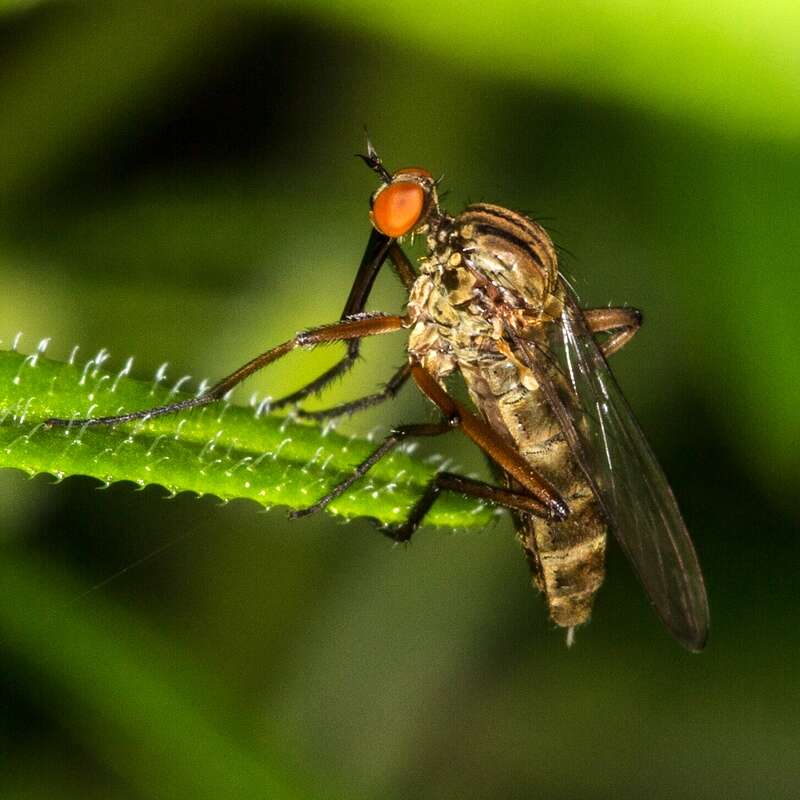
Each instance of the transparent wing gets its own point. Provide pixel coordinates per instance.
(624, 474)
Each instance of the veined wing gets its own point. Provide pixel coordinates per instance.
(625, 476)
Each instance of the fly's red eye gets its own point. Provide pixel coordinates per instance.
(398, 208)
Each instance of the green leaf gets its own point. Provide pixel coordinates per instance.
(224, 450)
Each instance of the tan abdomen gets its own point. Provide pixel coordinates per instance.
(566, 558)
(567, 562)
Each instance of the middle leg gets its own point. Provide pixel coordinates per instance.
(537, 496)
(519, 501)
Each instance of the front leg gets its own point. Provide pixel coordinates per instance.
(353, 328)
(389, 391)
(378, 248)
(621, 323)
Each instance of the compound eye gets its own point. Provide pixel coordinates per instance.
(398, 207)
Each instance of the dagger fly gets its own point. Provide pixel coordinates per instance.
(488, 303)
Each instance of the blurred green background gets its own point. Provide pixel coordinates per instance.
(177, 183)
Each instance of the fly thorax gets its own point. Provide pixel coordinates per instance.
(447, 324)
(516, 285)
(459, 281)
(511, 251)
(452, 297)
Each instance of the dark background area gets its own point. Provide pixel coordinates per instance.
(178, 183)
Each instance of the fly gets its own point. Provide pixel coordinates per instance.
(488, 302)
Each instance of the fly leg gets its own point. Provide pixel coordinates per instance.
(537, 497)
(402, 265)
(443, 481)
(621, 323)
(540, 497)
(327, 377)
(377, 250)
(450, 482)
(389, 391)
(389, 443)
(348, 329)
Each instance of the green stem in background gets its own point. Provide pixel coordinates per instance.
(223, 450)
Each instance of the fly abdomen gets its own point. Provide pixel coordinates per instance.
(567, 561)
(566, 558)
(569, 566)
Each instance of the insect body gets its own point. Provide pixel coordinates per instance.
(488, 290)
(490, 304)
